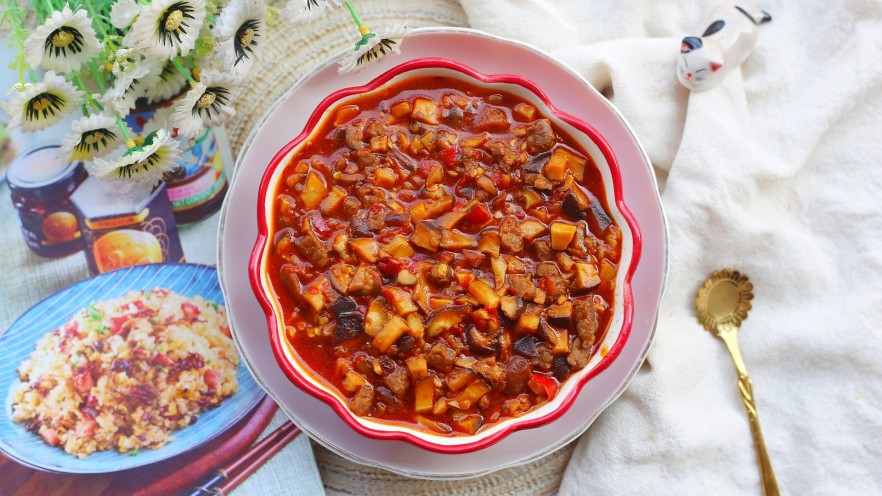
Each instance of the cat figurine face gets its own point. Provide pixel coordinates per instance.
(729, 38)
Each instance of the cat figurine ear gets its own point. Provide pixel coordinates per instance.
(729, 38)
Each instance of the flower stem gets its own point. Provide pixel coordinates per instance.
(82, 87)
(15, 22)
(121, 124)
(358, 22)
(183, 70)
(99, 78)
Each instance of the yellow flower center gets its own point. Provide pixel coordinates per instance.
(246, 38)
(173, 21)
(41, 104)
(62, 39)
(92, 138)
(206, 100)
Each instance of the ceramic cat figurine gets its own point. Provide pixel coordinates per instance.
(729, 38)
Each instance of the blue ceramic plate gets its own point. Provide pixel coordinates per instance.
(20, 339)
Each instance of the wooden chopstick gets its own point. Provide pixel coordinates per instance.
(229, 477)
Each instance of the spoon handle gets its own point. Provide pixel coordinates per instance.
(745, 385)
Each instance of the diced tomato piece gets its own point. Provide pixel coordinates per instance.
(162, 360)
(478, 215)
(542, 384)
(191, 311)
(390, 266)
(547, 284)
(86, 428)
(426, 165)
(116, 323)
(226, 330)
(139, 305)
(321, 227)
(458, 329)
(211, 378)
(390, 233)
(449, 156)
(50, 435)
(83, 381)
(71, 329)
(91, 401)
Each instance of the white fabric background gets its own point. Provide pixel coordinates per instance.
(777, 173)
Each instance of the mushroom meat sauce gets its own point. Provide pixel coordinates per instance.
(442, 255)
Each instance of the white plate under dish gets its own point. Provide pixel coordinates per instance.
(238, 231)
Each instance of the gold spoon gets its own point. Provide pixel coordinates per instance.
(721, 304)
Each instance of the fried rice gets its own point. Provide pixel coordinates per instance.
(125, 373)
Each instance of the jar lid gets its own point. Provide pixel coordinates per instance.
(41, 172)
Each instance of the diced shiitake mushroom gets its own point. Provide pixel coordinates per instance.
(367, 249)
(442, 320)
(333, 201)
(398, 247)
(561, 235)
(456, 240)
(586, 276)
(314, 191)
(426, 236)
(391, 332)
(424, 394)
(425, 110)
(483, 293)
(376, 318)
(489, 243)
(400, 300)
(532, 229)
(416, 367)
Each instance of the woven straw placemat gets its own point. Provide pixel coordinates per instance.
(288, 54)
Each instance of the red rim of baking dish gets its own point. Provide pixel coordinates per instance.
(339, 407)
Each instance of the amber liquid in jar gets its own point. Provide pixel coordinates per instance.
(41, 185)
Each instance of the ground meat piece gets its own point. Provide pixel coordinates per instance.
(491, 372)
(579, 354)
(550, 270)
(363, 400)
(517, 373)
(365, 158)
(473, 258)
(543, 249)
(370, 195)
(441, 357)
(543, 358)
(359, 228)
(540, 137)
(374, 129)
(502, 154)
(491, 119)
(313, 250)
(397, 381)
(351, 206)
(376, 218)
(585, 316)
(512, 239)
(353, 135)
(453, 117)
(523, 286)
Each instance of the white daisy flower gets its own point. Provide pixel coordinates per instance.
(123, 13)
(37, 106)
(143, 165)
(64, 42)
(128, 65)
(308, 11)
(165, 82)
(372, 46)
(167, 28)
(205, 105)
(238, 29)
(93, 136)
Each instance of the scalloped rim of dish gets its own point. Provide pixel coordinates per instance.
(620, 323)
